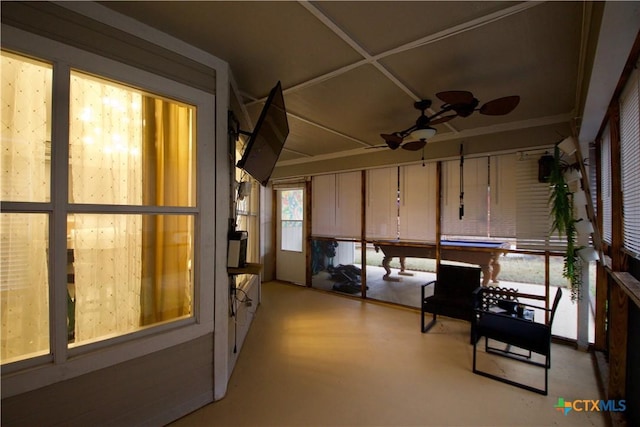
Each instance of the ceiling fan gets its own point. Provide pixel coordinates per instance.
(459, 103)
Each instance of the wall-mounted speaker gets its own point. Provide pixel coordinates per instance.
(545, 164)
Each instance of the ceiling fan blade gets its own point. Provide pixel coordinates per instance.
(442, 119)
(392, 140)
(456, 97)
(500, 106)
(377, 146)
(414, 145)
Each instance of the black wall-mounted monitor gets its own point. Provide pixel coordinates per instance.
(268, 138)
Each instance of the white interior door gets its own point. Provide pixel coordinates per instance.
(290, 235)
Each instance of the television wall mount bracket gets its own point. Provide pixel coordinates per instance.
(234, 127)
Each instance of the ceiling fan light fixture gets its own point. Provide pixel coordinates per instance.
(422, 134)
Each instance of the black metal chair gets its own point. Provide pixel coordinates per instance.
(509, 328)
(452, 294)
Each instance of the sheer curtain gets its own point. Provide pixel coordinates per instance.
(25, 168)
(105, 168)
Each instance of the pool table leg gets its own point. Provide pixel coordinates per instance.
(495, 271)
(385, 263)
(486, 274)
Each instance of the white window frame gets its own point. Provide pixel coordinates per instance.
(62, 363)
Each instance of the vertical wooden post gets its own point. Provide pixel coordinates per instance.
(363, 232)
(309, 257)
(600, 336)
(547, 284)
(618, 304)
(274, 231)
(438, 212)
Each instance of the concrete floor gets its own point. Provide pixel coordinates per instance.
(314, 358)
(406, 292)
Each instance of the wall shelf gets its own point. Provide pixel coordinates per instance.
(249, 268)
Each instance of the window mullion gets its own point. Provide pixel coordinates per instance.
(58, 221)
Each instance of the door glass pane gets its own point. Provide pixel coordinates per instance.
(24, 286)
(129, 272)
(128, 147)
(291, 214)
(26, 129)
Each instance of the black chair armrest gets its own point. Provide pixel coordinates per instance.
(534, 306)
(429, 283)
(476, 296)
(482, 313)
(502, 315)
(423, 287)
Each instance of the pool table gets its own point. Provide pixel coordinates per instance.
(483, 254)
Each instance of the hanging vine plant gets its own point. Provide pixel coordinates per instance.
(561, 201)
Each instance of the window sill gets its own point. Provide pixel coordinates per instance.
(249, 268)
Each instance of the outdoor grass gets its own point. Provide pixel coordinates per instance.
(515, 267)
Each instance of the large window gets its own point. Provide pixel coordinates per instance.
(130, 209)
(630, 159)
(26, 179)
(248, 209)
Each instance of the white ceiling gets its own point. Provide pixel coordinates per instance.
(352, 70)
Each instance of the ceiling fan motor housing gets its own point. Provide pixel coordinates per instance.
(422, 105)
(465, 110)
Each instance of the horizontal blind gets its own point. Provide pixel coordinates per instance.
(533, 220)
(382, 203)
(16, 250)
(476, 181)
(502, 195)
(348, 205)
(323, 205)
(417, 220)
(605, 183)
(630, 160)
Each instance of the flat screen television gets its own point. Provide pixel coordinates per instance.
(267, 139)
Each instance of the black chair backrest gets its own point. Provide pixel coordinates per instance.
(456, 280)
(556, 300)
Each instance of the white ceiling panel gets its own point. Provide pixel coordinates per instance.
(353, 70)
